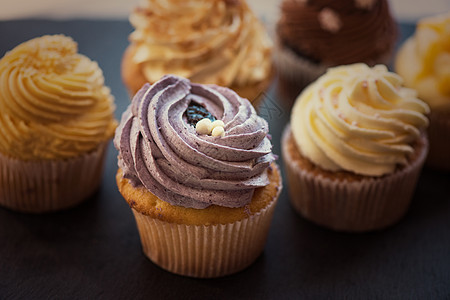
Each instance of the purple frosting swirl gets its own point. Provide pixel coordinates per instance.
(160, 150)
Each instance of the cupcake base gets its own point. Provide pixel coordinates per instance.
(132, 75)
(49, 185)
(204, 251)
(206, 243)
(134, 79)
(344, 201)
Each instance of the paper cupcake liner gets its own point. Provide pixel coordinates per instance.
(439, 137)
(296, 72)
(204, 251)
(357, 206)
(49, 185)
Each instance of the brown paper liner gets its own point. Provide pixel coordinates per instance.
(367, 204)
(205, 251)
(296, 72)
(49, 185)
(439, 137)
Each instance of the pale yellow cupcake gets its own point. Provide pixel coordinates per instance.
(202, 192)
(355, 148)
(424, 62)
(207, 41)
(56, 118)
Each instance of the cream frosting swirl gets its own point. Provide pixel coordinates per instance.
(207, 41)
(160, 150)
(53, 101)
(424, 61)
(358, 119)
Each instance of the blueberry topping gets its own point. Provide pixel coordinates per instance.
(195, 112)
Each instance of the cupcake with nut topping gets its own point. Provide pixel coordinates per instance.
(207, 41)
(196, 168)
(56, 119)
(354, 148)
(314, 35)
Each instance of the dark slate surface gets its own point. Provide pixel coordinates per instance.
(93, 251)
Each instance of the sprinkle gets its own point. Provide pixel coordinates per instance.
(334, 101)
(321, 93)
(204, 126)
(364, 84)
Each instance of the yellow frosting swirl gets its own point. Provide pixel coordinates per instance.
(424, 61)
(359, 119)
(53, 101)
(206, 41)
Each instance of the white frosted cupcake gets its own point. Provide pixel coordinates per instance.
(354, 148)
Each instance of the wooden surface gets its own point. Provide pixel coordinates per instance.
(93, 251)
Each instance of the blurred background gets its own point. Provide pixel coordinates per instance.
(403, 10)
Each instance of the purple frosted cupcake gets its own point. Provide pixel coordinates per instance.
(196, 168)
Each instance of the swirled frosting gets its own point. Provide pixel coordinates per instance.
(424, 61)
(207, 41)
(160, 150)
(338, 32)
(53, 101)
(358, 119)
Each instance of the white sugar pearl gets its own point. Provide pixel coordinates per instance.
(204, 126)
(218, 131)
(218, 123)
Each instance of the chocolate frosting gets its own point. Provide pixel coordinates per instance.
(160, 150)
(338, 32)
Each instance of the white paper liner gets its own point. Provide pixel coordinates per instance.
(365, 205)
(439, 137)
(49, 185)
(205, 251)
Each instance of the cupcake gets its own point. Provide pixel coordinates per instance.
(315, 35)
(56, 120)
(354, 148)
(424, 63)
(207, 41)
(196, 168)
